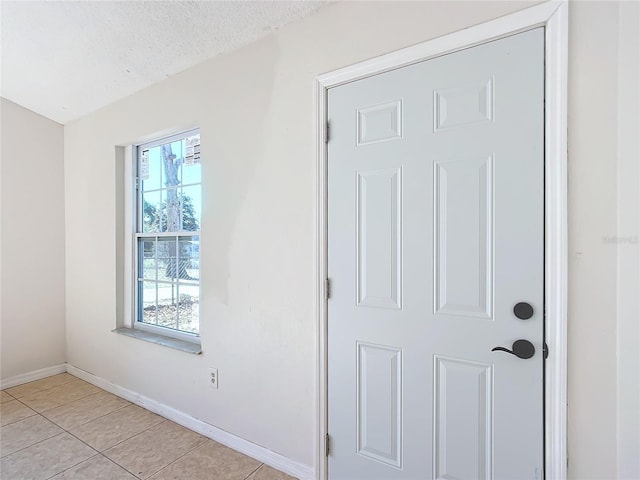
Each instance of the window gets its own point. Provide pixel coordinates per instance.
(167, 236)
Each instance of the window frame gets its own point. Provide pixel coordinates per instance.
(136, 211)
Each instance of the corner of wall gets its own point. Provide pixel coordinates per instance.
(32, 243)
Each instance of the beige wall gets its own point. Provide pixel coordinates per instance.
(255, 108)
(627, 242)
(32, 297)
(593, 101)
(603, 180)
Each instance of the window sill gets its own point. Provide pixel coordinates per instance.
(182, 345)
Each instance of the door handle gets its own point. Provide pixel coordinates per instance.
(520, 348)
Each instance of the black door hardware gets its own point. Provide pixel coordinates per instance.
(523, 310)
(521, 349)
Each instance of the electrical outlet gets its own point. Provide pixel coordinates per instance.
(213, 377)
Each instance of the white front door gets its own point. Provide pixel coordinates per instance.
(436, 248)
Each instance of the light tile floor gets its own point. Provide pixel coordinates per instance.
(64, 428)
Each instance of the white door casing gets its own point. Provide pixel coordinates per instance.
(436, 177)
(551, 16)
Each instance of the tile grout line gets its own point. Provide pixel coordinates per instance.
(38, 414)
(185, 453)
(24, 418)
(94, 449)
(7, 393)
(145, 430)
(44, 389)
(135, 435)
(39, 441)
(71, 434)
(257, 468)
(122, 467)
(140, 433)
(51, 408)
(89, 421)
(97, 453)
(64, 430)
(68, 468)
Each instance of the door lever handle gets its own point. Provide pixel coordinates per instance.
(520, 348)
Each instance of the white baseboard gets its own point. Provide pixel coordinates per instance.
(32, 376)
(264, 455)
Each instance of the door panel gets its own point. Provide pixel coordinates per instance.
(463, 231)
(463, 401)
(435, 232)
(380, 403)
(379, 238)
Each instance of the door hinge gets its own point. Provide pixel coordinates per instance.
(326, 132)
(327, 287)
(326, 445)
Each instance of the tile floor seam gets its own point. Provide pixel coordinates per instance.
(63, 404)
(69, 468)
(135, 435)
(34, 444)
(71, 434)
(100, 456)
(23, 418)
(44, 389)
(124, 468)
(166, 466)
(185, 453)
(93, 419)
(74, 436)
(39, 441)
(64, 430)
(257, 468)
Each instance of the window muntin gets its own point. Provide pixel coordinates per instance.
(168, 212)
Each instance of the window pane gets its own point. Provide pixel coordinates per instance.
(189, 308)
(147, 259)
(191, 201)
(152, 212)
(151, 174)
(171, 210)
(171, 159)
(147, 292)
(191, 173)
(167, 299)
(167, 258)
(189, 258)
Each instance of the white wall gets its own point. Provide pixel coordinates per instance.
(603, 140)
(32, 297)
(627, 242)
(593, 40)
(255, 108)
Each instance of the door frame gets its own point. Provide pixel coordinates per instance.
(554, 17)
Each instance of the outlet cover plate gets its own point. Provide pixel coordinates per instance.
(213, 378)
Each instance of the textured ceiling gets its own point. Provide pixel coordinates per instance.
(64, 59)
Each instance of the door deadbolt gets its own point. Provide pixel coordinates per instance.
(523, 310)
